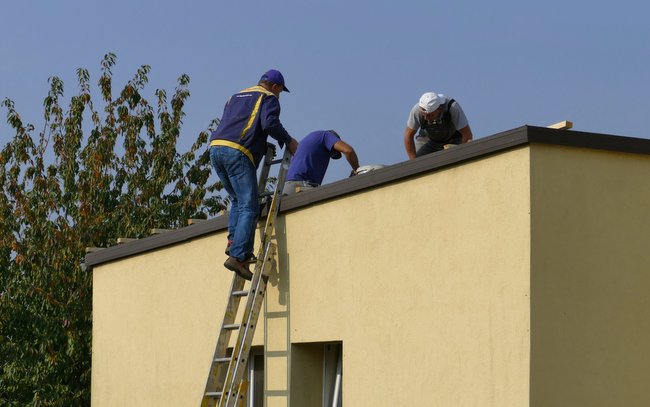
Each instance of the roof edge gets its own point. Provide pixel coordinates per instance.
(476, 149)
(598, 141)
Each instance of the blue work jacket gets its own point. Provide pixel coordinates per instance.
(249, 117)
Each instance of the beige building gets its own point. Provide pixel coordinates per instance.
(510, 271)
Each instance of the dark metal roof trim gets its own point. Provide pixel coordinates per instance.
(399, 171)
(596, 141)
(156, 241)
(459, 154)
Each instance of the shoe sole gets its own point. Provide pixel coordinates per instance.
(237, 271)
(251, 260)
(248, 277)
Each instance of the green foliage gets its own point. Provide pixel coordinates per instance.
(89, 177)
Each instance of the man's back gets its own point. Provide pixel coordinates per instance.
(247, 119)
(312, 157)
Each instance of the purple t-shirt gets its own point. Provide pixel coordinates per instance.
(312, 157)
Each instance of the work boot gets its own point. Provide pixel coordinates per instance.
(250, 258)
(239, 267)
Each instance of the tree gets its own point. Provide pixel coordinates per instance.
(89, 177)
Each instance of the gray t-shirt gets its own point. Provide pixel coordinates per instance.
(415, 119)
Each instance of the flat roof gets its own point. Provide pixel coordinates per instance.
(476, 149)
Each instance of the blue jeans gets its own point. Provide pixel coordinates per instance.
(238, 176)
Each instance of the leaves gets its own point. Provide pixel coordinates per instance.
(90, 176)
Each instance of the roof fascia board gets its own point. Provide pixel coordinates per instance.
(156, 241)
(476, 149)
(399, 171)
(588, 140)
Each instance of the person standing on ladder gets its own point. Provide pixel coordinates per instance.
(439, 121)
(236, 149)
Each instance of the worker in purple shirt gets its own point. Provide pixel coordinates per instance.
(309, 164)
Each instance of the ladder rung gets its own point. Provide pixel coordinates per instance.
(228, 383)
(221, 360)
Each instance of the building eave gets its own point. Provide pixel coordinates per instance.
(476, 149)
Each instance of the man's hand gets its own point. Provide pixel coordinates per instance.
(466, 134)
(271, 145)
(293, 146)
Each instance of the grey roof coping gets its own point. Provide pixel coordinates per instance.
(459, 154)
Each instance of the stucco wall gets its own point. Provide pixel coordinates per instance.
(517, 279)
(156, 318)
(590, 278)
(425, 282)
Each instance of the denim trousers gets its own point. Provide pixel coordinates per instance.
(237, 174)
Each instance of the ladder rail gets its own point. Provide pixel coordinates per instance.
(219, 369)
(277, 197)
(226, 381)
(235, 387)
(266, 167)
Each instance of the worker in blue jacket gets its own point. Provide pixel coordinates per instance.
(236, 149)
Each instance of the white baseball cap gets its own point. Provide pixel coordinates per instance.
(430, 101)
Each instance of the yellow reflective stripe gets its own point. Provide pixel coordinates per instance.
(251, 119)
(258, 88)
(234, 145)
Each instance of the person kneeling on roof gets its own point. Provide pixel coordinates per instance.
(309, 164)
(439, 121)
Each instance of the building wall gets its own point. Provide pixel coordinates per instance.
(516, 279)
(590, 278)
(156, 318)
(425, 282)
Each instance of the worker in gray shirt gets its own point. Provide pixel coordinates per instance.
(438, 121)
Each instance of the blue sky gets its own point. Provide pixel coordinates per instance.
(353, 66)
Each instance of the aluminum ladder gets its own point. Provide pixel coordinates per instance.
(227, 385)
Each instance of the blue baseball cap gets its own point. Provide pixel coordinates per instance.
(274, 76)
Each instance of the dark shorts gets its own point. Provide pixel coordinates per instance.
(433, 146)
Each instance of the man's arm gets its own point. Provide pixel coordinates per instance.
(270, 121)
(466, 134)
(350, 155)
(458, 118)
(292, 146)
(409, 144)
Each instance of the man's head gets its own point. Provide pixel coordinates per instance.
(274, 80)
(431, 104)
(335, 155)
